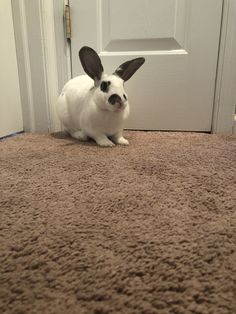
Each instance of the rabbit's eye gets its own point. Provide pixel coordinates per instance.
(105, 86)
(125, 97)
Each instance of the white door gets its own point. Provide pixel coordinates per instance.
(10, 102)
(174, 89)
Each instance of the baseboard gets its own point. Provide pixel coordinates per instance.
(234, 127)
(11, 135)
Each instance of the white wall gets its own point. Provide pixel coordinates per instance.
(10, 100)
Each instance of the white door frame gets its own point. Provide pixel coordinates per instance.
(225, 93)
(51, 50)
(38, 29)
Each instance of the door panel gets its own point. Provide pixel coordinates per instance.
(127, 28)
(174, 89)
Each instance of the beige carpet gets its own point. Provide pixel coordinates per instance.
(149, 228)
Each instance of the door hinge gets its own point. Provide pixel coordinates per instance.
(67, 20)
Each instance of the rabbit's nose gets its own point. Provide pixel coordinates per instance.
(114, 98)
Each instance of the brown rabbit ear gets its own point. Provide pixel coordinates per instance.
(127, 69)
(91, 63)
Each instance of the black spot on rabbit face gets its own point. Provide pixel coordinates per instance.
(105, 86)
(114, 98)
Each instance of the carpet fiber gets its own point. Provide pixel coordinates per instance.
(149, 228)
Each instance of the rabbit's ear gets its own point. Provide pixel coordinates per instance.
(127, 69)
(91, 63)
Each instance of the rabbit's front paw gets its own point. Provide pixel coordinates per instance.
(104, 141)
(122, 141)
(79, 135)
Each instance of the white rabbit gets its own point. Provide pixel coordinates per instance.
(95, 105)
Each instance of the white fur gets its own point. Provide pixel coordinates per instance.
(85, 111)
